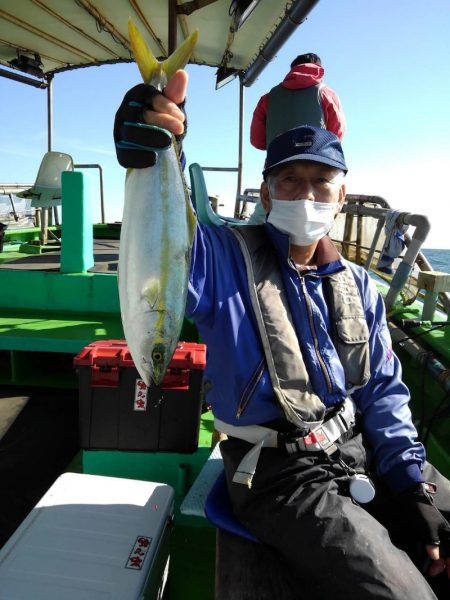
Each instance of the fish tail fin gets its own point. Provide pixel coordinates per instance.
(149, 66)
(144, 57)
(179, 58)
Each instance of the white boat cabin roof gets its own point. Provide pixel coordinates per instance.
(43, 37)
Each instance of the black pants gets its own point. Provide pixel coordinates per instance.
(301, 507)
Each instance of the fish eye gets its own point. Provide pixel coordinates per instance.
(157, 356)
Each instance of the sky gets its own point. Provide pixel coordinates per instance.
(389, 62)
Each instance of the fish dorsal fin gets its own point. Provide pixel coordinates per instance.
(152, 70)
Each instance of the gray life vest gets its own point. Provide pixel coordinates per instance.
(288, 373)
(287, 109)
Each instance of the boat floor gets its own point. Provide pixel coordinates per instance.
(35, 450)
(106, 256)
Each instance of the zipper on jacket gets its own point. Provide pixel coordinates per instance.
(250, 387)
(313, 330)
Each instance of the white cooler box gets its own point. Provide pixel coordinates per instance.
(91, 538)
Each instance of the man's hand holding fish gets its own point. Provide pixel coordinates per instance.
(145, 105)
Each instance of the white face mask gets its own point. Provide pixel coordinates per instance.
(305, 221)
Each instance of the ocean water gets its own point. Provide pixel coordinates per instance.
(439, 259)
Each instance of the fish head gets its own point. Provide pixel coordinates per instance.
(159, 358)
(150, 360)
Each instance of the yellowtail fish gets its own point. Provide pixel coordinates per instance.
(156, 238)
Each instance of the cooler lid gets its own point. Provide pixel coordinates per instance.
(89, 537)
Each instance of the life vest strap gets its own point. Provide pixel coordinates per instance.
(321, 438)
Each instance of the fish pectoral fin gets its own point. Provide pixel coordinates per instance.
(152, 292)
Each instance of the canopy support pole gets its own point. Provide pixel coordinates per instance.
(49, 112)
(172, 26)
(237, 206)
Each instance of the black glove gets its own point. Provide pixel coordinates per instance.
(137, 143)
(431, 525)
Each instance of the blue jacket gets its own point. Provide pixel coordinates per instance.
(240, 390)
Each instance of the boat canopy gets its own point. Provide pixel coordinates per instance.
(239, 37)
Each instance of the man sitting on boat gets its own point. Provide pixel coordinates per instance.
(322, 458)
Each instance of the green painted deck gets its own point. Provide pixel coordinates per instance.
(55, 331)
(429, 401)
(45, 312)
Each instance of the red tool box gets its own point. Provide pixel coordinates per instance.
(117, 410)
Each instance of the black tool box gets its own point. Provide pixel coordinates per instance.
(118, 411)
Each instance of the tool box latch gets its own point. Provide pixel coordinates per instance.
(105, 376)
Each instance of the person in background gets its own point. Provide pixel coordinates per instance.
(322, 458)
(300, 99)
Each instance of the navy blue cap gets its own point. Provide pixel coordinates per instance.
(305, 143)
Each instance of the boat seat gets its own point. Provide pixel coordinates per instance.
(245, 568)
(219, 512)
(46, 193)
(202, 204)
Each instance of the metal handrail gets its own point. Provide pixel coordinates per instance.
(96, 166)
(358, 198)
(10, 189)
(412, 256)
